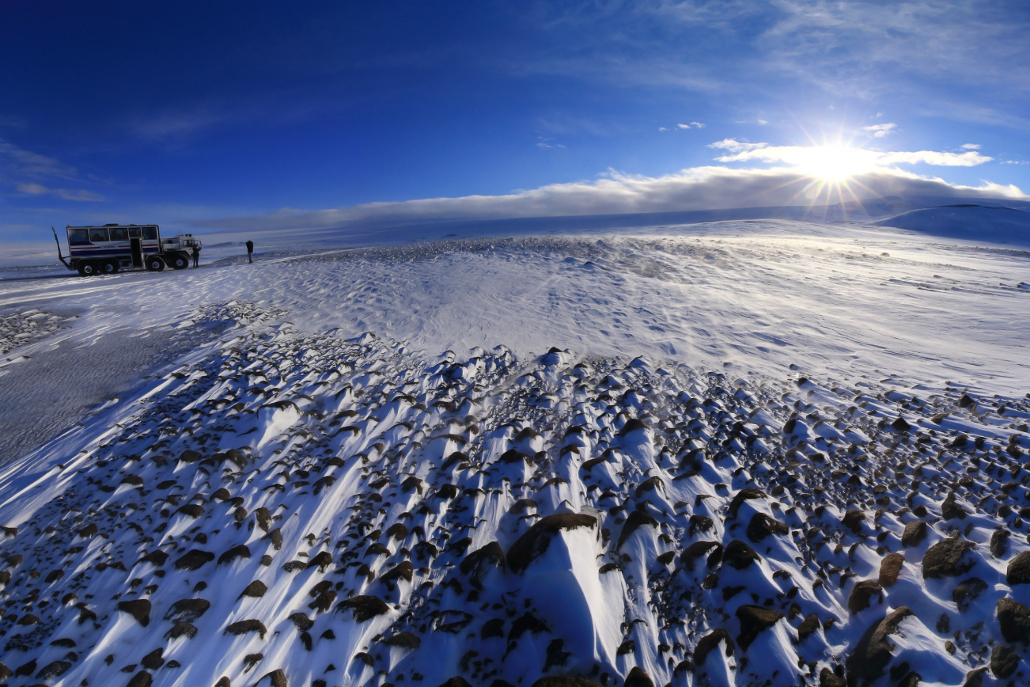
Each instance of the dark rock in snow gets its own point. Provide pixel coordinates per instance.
(709, 643)
(277, 678)
(563, 681)
(632, 425)
(456, 681)
(901, 425)
(238, 551)
(153, 660)
(402, 571)
(480, 562)
(54, 669)
(140, 679)
(999, 543)
(873, 651)
(827, 678)
(364, 607)
(1018, 570)
(914, 534)
(534, 543)
(890, 568)
(700, 523)
(743, 495)
(862, 595)
(951, 510)
(753, 621)
(739, 555)
(194, 559)
(405, 640)
(1004, 661)
(853, 520)
(968, 591)
(256, 589)
(138, 609)
(245, 626)
(948, 558)
(808, 626)
(638, 678)
(1014, 621)
(188, 610)
(761, 526)
(635, 520)
(698, 549)
(156, 557)
(181, 629)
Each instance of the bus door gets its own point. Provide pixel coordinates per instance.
(136, 240)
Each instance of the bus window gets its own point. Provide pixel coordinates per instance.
(98, 234)
(134, 233)
(78, 236)
(119, 234)
(150, 233)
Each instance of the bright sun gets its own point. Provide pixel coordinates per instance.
(834, 162)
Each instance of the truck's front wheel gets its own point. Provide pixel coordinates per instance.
(178, 261)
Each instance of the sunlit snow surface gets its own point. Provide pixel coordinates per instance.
(438, 492)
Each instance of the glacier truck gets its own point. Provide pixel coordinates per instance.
(112, 247)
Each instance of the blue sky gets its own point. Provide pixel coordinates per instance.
(187, 114)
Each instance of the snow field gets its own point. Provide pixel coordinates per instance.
(346, 511)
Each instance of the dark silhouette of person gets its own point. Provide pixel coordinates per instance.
(196, 255)
(250, 251)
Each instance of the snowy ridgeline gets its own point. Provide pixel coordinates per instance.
(302, 509)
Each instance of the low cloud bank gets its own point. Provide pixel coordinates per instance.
(699, 188)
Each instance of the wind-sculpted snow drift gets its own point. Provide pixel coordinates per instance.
(302, 509)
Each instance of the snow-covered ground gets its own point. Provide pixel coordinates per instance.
(668, 454)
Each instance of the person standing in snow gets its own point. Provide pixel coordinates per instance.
(196, 255)
(250, 251)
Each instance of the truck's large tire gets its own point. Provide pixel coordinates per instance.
(154, 263)
(178, 261)
(108, 266)
(87, 269)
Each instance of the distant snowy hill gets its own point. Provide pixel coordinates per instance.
(971, 222)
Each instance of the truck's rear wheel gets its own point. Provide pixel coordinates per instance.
(87, 269)
(109, 266)
(155, 263)
(178, 261)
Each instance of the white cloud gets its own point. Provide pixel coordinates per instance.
(662, 128)
(692, 125)
(857, 158)
(880, 130)
(698, 188)
(970, 146)
(735, 146)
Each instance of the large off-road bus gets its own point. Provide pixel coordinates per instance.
(112, 247)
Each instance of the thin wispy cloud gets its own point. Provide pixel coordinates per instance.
(33, 189)
(692, 125)
(970, 146)
(27, 171)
